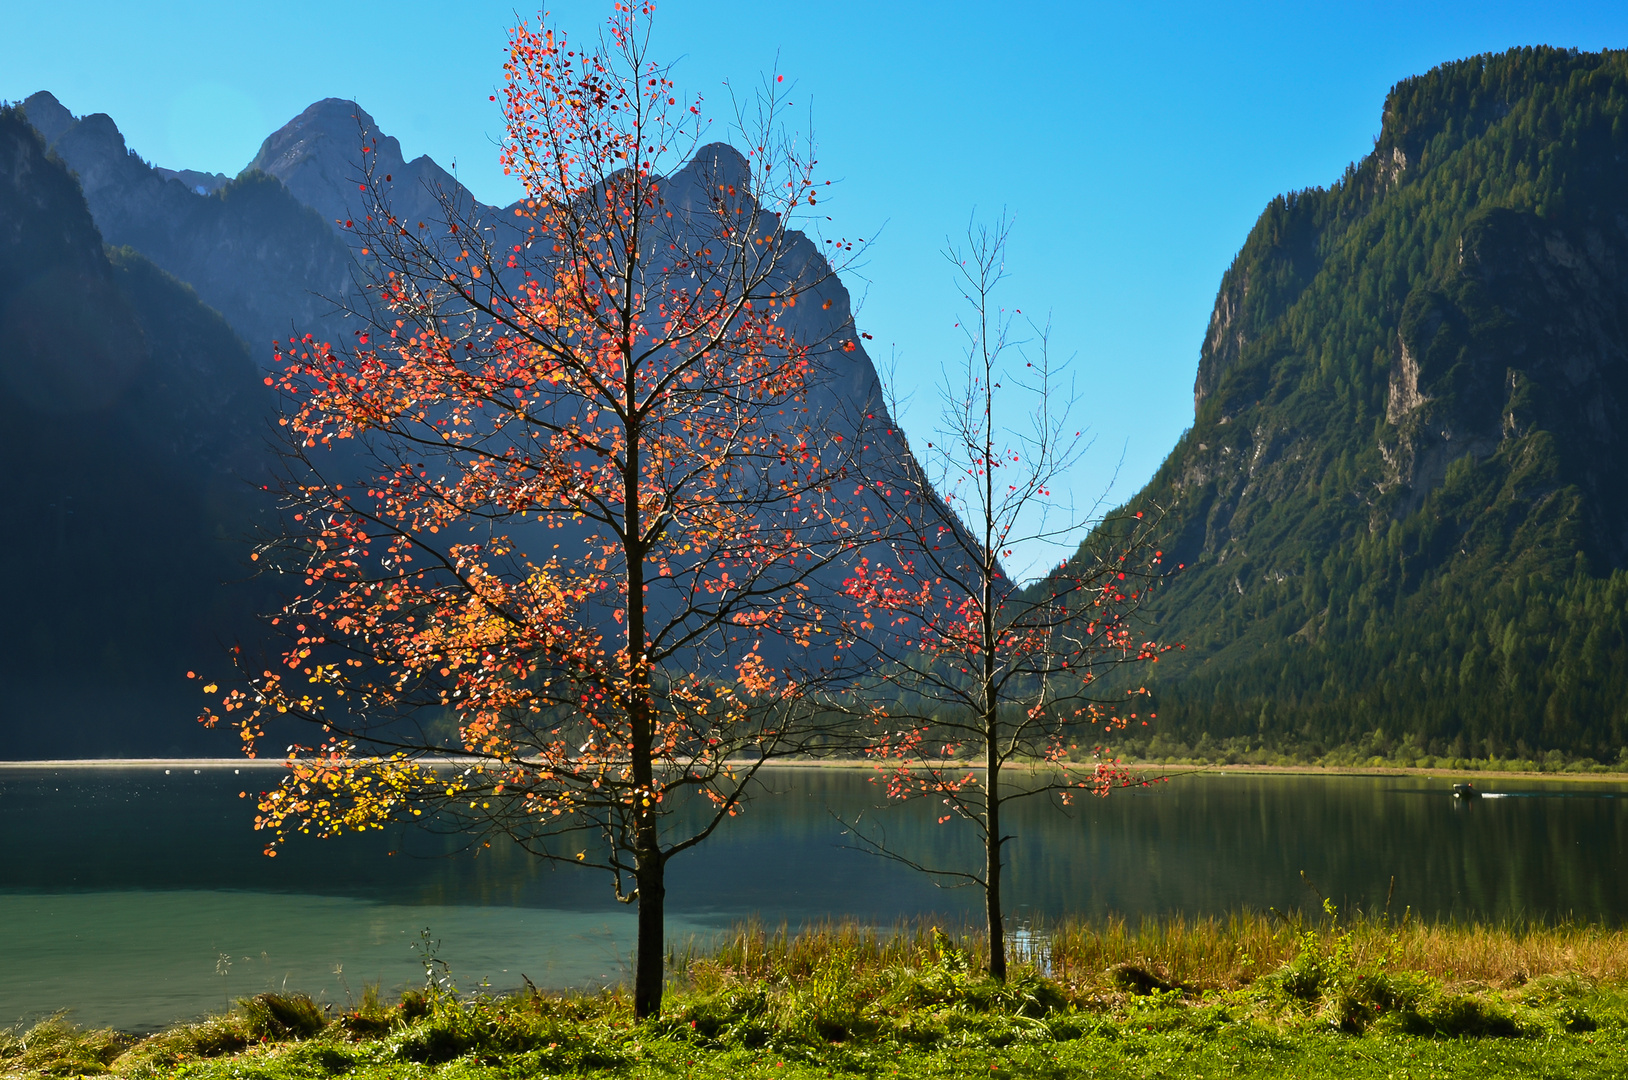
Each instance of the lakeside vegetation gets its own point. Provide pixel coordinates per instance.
(1376, 751)
(1256, 995)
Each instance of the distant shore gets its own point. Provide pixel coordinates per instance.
(145, 763)
(1146, 769)
(1377, 770)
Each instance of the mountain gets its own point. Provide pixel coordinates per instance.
(318, 157)
(253, 251)
(1403, 501)
(268, 249)
(1402, 506)
(131, 442)
(174, 445)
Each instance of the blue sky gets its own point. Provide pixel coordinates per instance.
(1133, 144)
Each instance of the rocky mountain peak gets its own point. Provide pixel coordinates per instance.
(318, 156)
(249, 248)
(48, 115)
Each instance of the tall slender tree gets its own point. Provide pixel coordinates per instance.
(555, 513)
(983, 675)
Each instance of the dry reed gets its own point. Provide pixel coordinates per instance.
(1203, 953)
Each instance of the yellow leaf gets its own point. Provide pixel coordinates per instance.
(211, 688)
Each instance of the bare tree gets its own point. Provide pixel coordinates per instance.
(982, 674)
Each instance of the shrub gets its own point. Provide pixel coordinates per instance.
(1574, 1018)
(370, 1017)
(1136, 979)
(214, 1037)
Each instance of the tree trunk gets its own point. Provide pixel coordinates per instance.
(992, 874)
(649, 954)
(649, 958)
(988, 692)
(650, 867)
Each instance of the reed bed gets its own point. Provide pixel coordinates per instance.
(1195, 953)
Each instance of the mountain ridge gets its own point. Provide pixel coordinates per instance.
(252, 250)
(1403, 501)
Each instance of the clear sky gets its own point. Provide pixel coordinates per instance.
(1134, 144)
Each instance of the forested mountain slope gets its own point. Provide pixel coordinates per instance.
(129, 441)
(1403, 502)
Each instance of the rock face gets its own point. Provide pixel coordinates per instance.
(318, 157)
(130, 445)
(252, 251)
(1408, 454)
(1530, 334)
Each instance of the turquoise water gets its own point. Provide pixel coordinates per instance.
(136, 896)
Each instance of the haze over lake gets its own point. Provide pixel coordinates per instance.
(137, 896)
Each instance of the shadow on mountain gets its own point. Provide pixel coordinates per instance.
(131, 446)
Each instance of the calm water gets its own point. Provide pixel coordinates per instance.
(137, 897)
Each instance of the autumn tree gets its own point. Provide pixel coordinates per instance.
(983, 675)
(553, 516)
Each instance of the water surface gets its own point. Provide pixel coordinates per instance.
(138, 896)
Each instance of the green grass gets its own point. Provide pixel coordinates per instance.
(1245, 997)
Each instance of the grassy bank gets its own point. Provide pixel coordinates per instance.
(1250, 996)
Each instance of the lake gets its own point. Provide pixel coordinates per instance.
(138, 895)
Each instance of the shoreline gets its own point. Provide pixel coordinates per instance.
(1151, 771)
(1200, 999)
(1383, 770)
(145, 763)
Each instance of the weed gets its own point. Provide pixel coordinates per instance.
(437, 972)
(281, 1016)
(54, 1047)
(370, 1017)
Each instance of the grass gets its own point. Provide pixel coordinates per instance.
(1248, 996)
